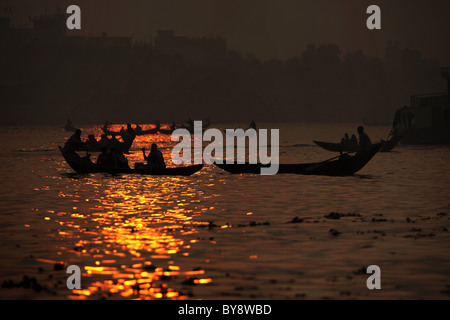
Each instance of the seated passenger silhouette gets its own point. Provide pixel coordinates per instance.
(74, 143)
(364, 140)
(102, 159)
(155, 159)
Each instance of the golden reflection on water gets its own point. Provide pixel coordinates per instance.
(130, 229)
(139, 141)
(133, 230)
(138, 237)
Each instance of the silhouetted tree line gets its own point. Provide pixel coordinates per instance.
(47, 84)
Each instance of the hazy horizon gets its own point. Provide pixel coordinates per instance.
(284, 60)
(265, 29)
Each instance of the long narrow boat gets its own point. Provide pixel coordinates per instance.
(139, 132)
(345, 165)
(145, 132)
(337, 147)
(97, 146)
(110, 132)
(386, 146)
(85, 165)
(166, 131)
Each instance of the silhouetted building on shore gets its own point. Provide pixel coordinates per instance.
(50, 74)
(50, 30)
(427, 119)
(191, 49)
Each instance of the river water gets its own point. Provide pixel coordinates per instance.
(214, 235)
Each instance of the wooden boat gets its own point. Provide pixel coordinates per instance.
(390, 144)
(342, 165)
(109, 132)
(350, 147)
(170, 131)
(166, 131)
(122, 132)
(69, 126)
(139, 131)
(337, 147)
(85, 165)
(145, 132)
(190, 126)
(243, 133)
(96, 146)
(171, 128)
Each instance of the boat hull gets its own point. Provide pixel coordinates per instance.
(85, 165)
(390, 144)
(344, 166)
(122, 146)
(337, 147)
(386, 146)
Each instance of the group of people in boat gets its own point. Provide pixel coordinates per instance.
(112, 157)
(364, 140)
(189, 124)
(116, 159)
(110, 141)
(93, 144)
(137, 130)
(127, 134)
(353, 141)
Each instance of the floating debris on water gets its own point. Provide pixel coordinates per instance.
(254, 223)
(58, 266)
(362, 270)
(418, 236)
(334, 232)
(296, 220)
(337, 215)
(26, 283)
(150, 267)
(379, 220)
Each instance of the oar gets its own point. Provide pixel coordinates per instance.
(317, 165)
(388, 137)
(87, 150)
